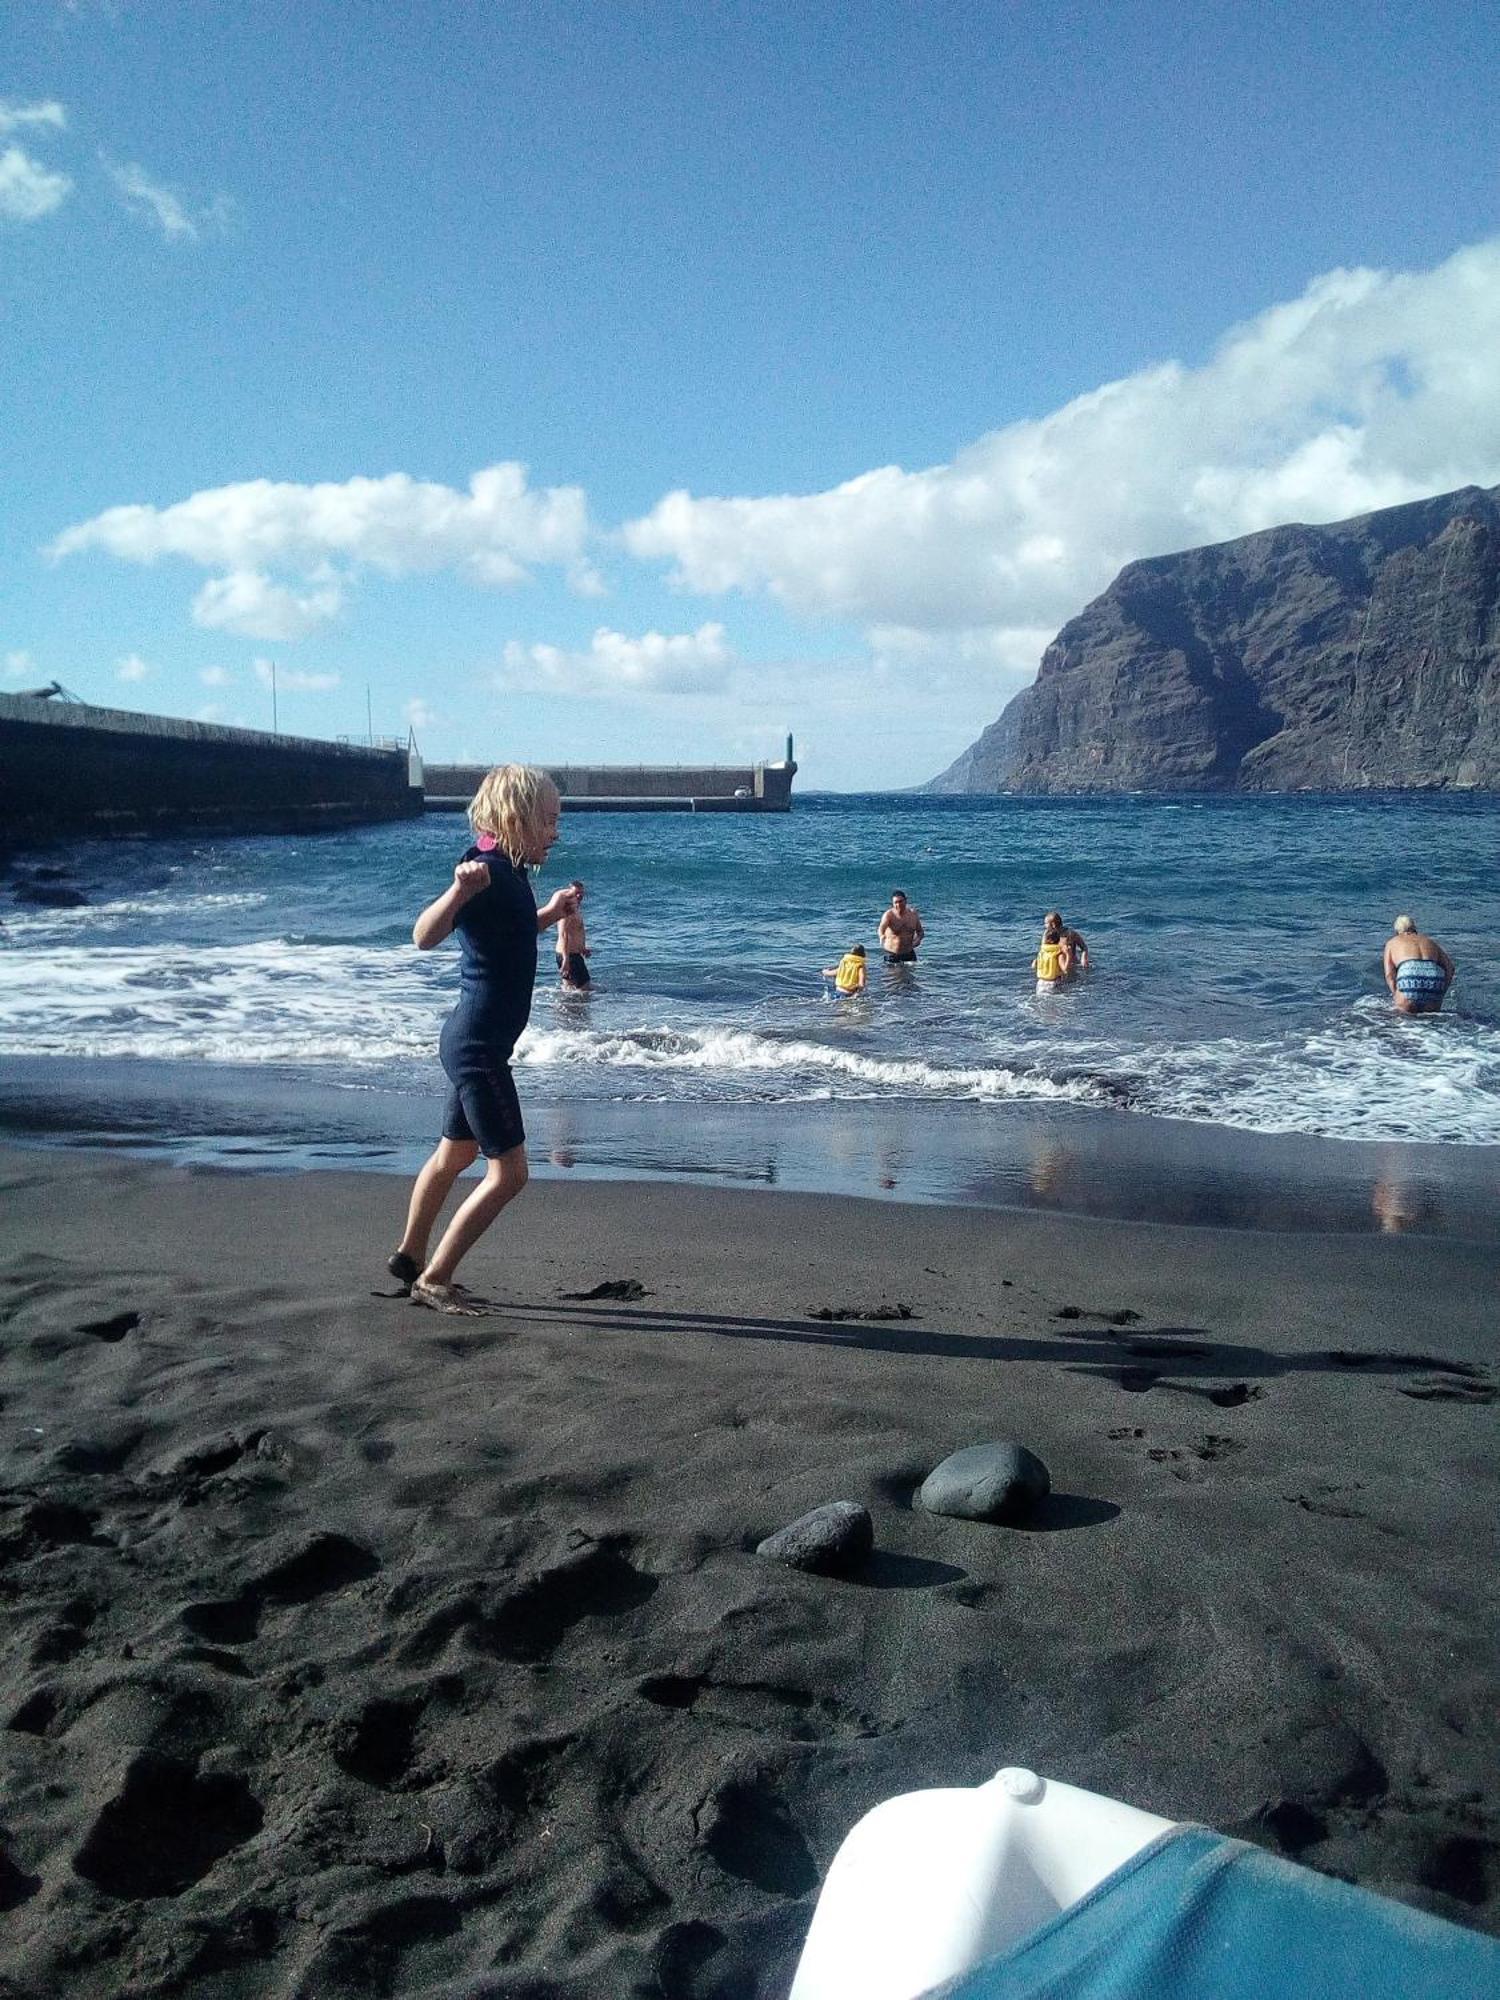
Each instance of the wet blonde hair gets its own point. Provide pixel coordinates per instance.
(1402, 925)
(512, 805)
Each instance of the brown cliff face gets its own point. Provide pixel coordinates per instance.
(1365, 655)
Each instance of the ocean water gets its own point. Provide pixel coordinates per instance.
(1235, 942)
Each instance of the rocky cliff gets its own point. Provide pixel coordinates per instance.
(1361, 655)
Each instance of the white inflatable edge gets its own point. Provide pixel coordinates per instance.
(930, 1884)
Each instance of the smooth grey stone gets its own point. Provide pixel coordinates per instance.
(986, 1482)
(832, 1540)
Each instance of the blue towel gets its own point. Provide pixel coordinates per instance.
(1197, 1916)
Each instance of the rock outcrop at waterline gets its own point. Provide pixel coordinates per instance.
(1364, 655)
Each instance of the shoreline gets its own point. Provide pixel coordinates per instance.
(453, 1637)
(1064, 1159)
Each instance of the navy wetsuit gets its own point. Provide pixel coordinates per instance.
(496, 934)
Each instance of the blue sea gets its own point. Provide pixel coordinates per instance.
(1235, 988)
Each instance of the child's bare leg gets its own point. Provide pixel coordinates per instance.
(503, 1180)
(431, 1190)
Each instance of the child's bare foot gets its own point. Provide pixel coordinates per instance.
(448, 1299)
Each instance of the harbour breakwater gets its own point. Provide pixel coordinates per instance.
(637, 787)
(67, 767)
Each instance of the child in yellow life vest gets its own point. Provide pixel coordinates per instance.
(1054, 960)
(849, 974)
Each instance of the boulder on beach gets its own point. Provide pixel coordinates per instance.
(986, 1482)
(832, 1540)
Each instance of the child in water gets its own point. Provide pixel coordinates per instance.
(1054, 959)
(849, 975)
(572, 947)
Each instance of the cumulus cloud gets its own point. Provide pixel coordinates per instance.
(31, 117)
(250, 604)
(133, 668)
(1372, 388)
(214, 677)
(27, 190)
(657, 662)
(18, 664)
(418, 714)
(155, 202)
(262, 531)
(269, 674)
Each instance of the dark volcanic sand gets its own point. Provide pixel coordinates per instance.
(350, 1650)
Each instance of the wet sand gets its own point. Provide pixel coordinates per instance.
(352, 1650)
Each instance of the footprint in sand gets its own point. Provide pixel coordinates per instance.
(114, 1328)
(861, 1312)
(532, 1622)
(1451, 1389)
(1188, 1461)
(319, 1566)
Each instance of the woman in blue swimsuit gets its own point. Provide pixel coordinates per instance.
(490, 906)
(1417, 969)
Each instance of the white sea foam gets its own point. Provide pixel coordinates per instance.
(352, 1010)
(31, 924)
(730, 1052)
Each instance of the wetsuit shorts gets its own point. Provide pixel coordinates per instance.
(483, 1106)
(1423, 982)
(574, 968)
(900, 957)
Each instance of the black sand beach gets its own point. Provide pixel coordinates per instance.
(350, 1650)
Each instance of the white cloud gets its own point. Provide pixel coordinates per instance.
(418, 714)
(493, 534)
(289, 678)
(27, 190)
(657, 662)
(160, 204)
(214, 677)
(210, 712)
(18, 665)
(1372, 388)
(133, 668)
(31, 117)
(250, 604)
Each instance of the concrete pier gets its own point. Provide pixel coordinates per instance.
(636, 787)
(68, 767)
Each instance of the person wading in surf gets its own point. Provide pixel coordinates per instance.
(1418, 972)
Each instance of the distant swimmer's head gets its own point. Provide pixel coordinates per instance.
(1403, 925)
(518, 806)
(577, 888)
(1052, 917)
(1052, 932)
(898, 899)
(856, 951)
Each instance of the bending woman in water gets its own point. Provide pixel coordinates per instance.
(489, 904)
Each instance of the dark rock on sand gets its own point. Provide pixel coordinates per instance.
(1362, 654)
(832, 1540)
(986, 1482)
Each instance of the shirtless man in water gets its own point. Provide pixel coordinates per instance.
(1418, 971)
(901, 930)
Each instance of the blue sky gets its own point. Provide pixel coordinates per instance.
(632, 380)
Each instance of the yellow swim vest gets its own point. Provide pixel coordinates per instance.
(847, 977)
(1049, 961)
